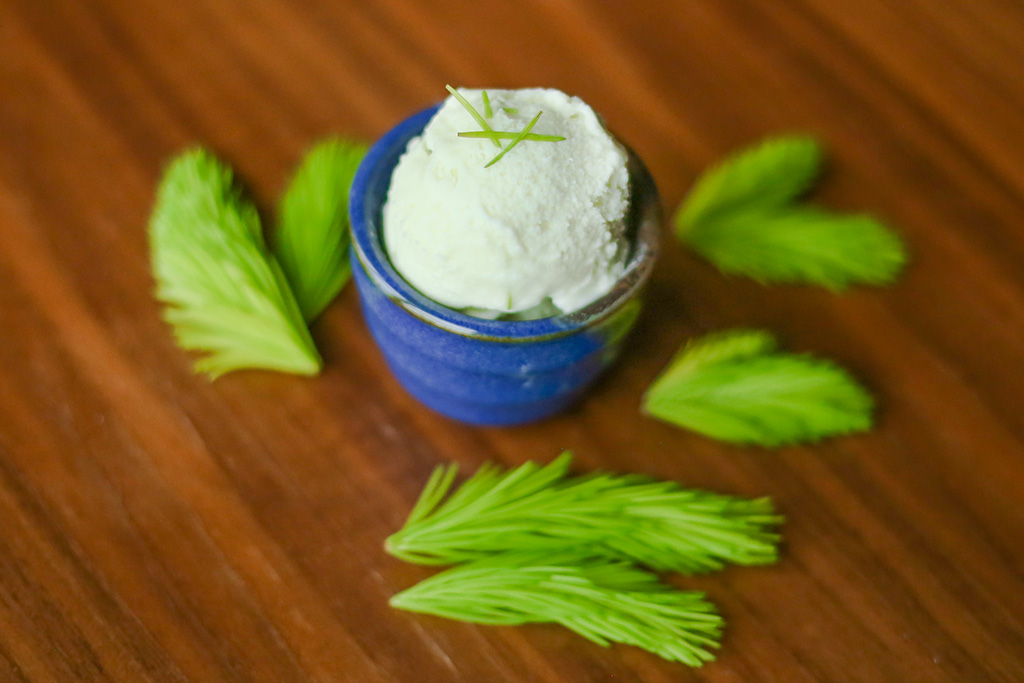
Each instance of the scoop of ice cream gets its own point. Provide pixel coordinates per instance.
(544, 223)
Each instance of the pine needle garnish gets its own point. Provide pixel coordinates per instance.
(604, 600)
(496, 136)
(741, 217)
(515, 141)
(312, 239)
(225, 294)
(534, 507)
(503, 135)
(735, 386)
(472, 112)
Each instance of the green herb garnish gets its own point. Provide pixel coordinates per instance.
(601, 599)
(735, 386)
(496, 136)
(533, 507)
(515, 141)
(225, 294)
(502, 135)
(312, 240)
(511, 111)
(472, 112)
(741, 216)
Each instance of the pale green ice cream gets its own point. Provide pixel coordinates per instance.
(544, 225)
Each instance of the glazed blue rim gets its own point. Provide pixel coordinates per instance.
(374, 175)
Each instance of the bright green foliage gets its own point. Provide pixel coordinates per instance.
(533, 507)
(473, 112)
(312, 239)
(734, 386)
(604, 600)
(225, 294)
(769, 175)
(801, 245)
(741, 217)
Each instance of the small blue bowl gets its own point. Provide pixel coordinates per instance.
(489, 372)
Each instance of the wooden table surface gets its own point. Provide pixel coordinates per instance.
(155, 526)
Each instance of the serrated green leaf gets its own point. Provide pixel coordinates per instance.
(719, 347)
(742, 217)
(312, 239)
(226, 295)
(657, 524)
(769, 399)
(801, 245)
(769, 175)
(601, 599)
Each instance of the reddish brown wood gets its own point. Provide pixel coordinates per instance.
(159, 527)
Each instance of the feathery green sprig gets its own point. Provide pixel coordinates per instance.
(741, 217)
(604, 600)
(735, 386)
(802, 245)
(509, 135)
(768, 175)
(225, 294)
(534, 507)
(312, 239)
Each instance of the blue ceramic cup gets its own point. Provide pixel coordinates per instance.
(491, 372)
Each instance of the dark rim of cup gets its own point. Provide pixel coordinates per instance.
(373, 179)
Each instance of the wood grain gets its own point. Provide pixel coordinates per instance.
(159, 527)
